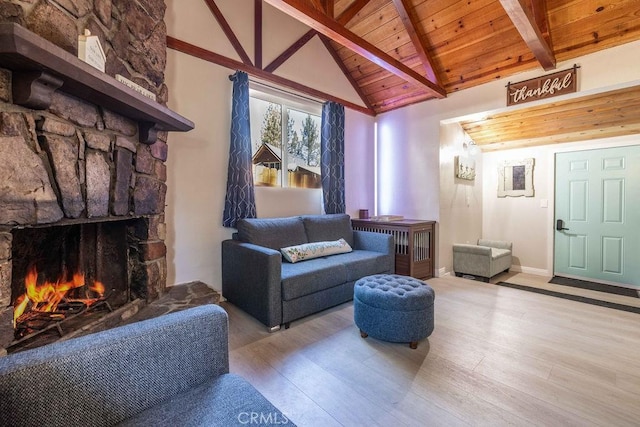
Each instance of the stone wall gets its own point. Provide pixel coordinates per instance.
(77, 160)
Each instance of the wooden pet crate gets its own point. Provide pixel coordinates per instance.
(414, 243)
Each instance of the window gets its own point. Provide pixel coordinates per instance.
(284, 156)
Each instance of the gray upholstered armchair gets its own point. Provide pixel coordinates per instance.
(485, 260)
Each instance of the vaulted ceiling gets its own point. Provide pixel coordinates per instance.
(400, 52)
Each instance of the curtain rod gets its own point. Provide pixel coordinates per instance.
(279, 89)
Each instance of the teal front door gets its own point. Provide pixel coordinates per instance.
(597, 203)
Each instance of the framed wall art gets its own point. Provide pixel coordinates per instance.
(515, 178)
(465, 167)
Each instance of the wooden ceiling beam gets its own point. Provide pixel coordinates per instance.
(288, 53)
(216, 58)
(344, 17)
(257, 33)
(328, 7)
(530, 21)
(228, 31)
(318, 4)
(300, 10)
(347, 74)
(540, 16)
(409, 20)
(351, 11)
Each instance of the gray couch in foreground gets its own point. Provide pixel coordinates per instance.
(257, 279)
(484, 260)
(172, 370)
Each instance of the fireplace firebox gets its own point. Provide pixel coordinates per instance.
(61, 272)
(65, 276)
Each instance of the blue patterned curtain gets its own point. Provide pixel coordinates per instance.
(332, 160)
(240, 200)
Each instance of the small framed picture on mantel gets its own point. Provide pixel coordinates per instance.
(90, 51)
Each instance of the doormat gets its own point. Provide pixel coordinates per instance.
(593, 286)
(578, 298)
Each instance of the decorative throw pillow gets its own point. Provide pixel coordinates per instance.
(315, 250)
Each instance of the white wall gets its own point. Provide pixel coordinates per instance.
(197, 162)
(521, 220)
(359, 158)
(460, 200)
(418, 155)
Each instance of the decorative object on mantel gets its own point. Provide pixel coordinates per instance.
(136, 87)
(515, 178)
(40, 68)
(465, 167)
(555, 84)
(90, 50)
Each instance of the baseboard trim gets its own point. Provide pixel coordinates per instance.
(531, 270)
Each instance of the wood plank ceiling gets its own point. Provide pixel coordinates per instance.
(458, 44)
(399, 52)
(602, 115)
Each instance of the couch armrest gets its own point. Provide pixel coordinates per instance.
(376, 242)
(371, 241)
(472, 249)
(109, 376)
(251, 279)
(498, 244)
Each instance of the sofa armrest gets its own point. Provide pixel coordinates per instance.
(498, 244)
(107, 377)
(472, 249)
(371, 241)
(376, 242)
(251, 279)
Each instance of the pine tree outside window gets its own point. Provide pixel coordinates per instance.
(289, 155)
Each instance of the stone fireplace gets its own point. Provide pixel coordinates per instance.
(79, 192)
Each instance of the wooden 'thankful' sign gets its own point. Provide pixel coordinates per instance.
(548, 86)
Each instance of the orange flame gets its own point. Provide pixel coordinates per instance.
(46, 297)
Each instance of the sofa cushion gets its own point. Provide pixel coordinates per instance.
(312, 250)
(304, 278)
(274, 233)
(322, 228)
(361, 263)
(227, 400)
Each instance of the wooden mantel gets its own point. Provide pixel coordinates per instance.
(40, 68)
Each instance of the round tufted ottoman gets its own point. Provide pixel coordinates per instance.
(393, 308)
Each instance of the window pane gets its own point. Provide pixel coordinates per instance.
(266, 140)
(284, 155)
(303, 149)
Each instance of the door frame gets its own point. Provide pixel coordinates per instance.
(597, 144)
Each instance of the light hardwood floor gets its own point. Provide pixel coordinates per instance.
(498, 356)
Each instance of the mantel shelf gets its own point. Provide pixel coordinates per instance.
(40, 68)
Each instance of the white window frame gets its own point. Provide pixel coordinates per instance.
(286, 100)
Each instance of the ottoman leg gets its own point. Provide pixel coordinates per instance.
(363, 334)
(413, 344)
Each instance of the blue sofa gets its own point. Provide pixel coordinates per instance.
(257, 279)
(172, 370)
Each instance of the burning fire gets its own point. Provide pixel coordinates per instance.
(46, 297)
